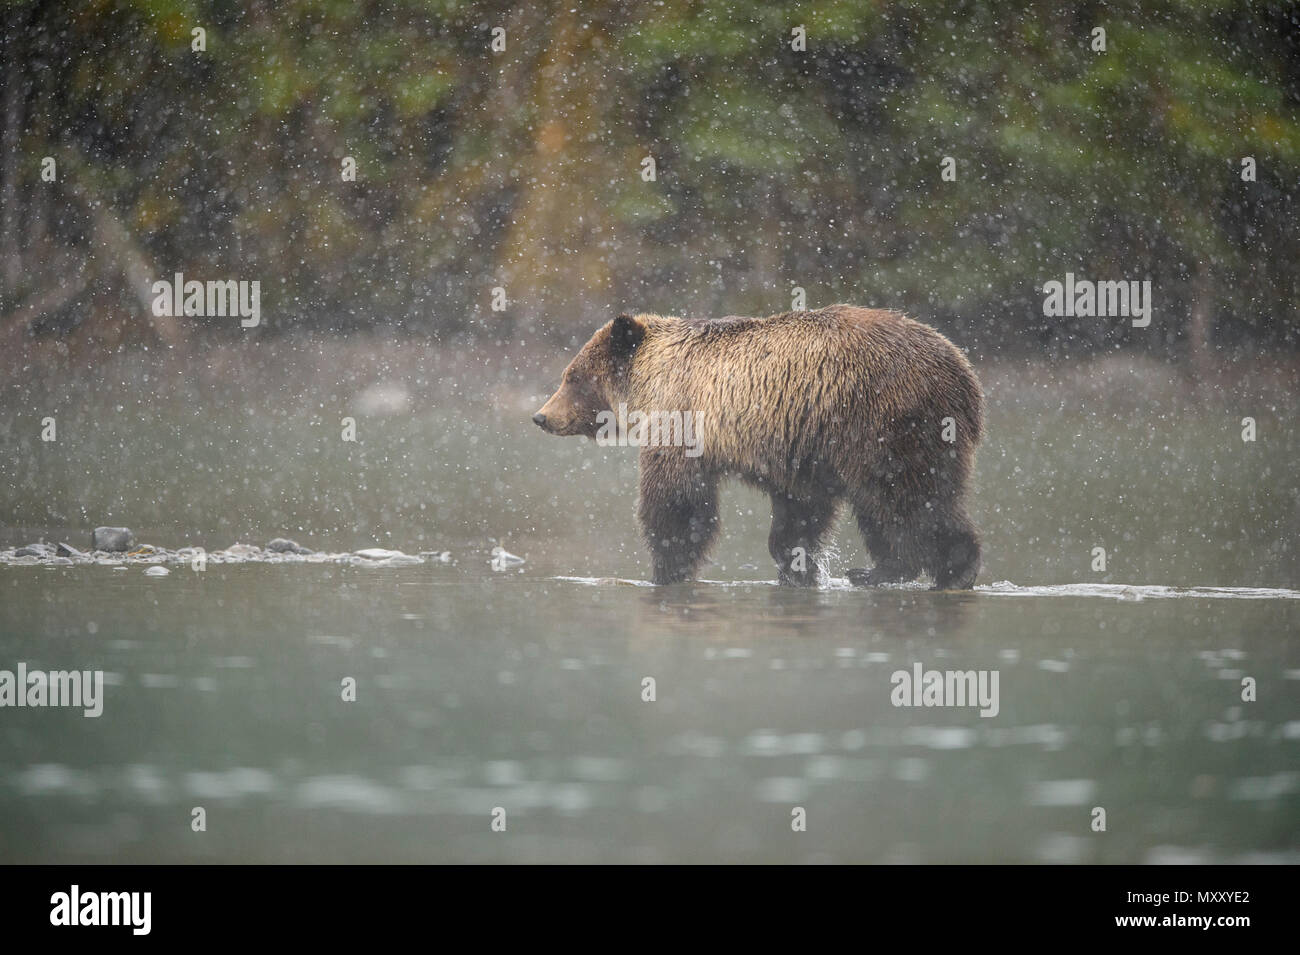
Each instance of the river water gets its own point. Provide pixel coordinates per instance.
(520, 695)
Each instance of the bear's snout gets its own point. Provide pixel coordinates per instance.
(548, 419)
(554, 416)
(562, 414)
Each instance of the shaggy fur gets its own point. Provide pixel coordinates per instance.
(814, 408)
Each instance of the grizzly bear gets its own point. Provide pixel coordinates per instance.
(815, 407)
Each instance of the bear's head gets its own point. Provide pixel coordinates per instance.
(595, 380)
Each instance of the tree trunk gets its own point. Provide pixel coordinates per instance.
(1200, 326)
(553, 253)
(111, 239)
(13, 27)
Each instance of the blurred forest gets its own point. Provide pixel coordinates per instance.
(775, 168)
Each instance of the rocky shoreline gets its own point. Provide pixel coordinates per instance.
(116, 546)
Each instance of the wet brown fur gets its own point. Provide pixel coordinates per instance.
(814, 408)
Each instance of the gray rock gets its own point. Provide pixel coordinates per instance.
(243, 552)
(502, 559)
(35, 550)
(67, 550)
(115, 539)
(282, 545)
(388, 557)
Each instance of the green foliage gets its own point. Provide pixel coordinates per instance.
(775, 167)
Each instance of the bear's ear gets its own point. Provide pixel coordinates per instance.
(625, 334)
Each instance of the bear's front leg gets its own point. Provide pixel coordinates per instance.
(798, 531)
(678, 512)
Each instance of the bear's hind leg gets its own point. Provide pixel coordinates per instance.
(957, 554)
(798, 531)
(892, 566)
(678, 512)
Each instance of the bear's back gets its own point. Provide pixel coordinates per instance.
(827, 384)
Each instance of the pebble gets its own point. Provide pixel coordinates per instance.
(282, 545)
(244, 550)
(502, 558)
(112, 539)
